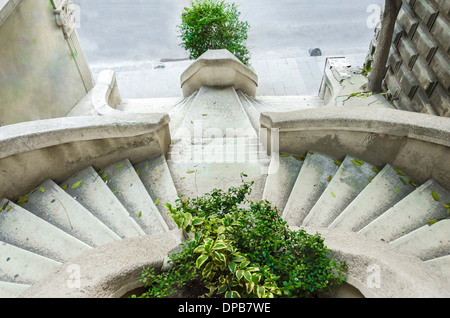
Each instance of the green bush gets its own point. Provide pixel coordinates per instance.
(213, 24)
(243, 249)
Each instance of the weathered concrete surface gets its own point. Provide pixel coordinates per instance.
(108, 271)
(418, 145)
(58, 148)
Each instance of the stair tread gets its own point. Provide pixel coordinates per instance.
(426, 242)
(252, 113)
(23, 229)
(386, 189)
(155, 175)
(288, 103)
(96, 197)
(12, 290)
(23, 267)
(217, 113)
(410, 213)
(196, 178)
(312, 180)
(349, 180)
(281, 179)
(57, 207)
(441, 266)
(123, 180)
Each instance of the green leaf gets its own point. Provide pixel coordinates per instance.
(375, 170)
(232, 267)
(239, 259)
(431, 222)
(190, 172)
(247, 276)
(120, 166)
(77, 184)
(232, 294)
(356, 163)
(200, 249)
(222, 289)
(64, 187)
(220, 245)
(329, 178)
(396, 189)
(140, 214)
(337, 162)
(240, 274)
(220, 257)
(157, 201)
(260, 291)
(198, 221)
(201, 260)
(42, 189)
(333, 194)
(435, 196)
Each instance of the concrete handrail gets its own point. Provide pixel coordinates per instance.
(218, 68)
(108, 271)
(105, 95)
(418, 144)
(379, 270)
(31, 152)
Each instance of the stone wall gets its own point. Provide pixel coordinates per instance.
(43, 71)
(418, 71)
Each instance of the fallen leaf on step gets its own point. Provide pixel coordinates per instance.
(157, 201)
(42, 189)
(190, 172)
(77, 184)
(435, 196)
(333, 195)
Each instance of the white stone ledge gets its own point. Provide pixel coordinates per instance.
(418, 144)
(28, 136)
(32, 152)
(379, 270)
(218, 68)
(108, 271)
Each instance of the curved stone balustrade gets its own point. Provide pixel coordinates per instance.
(57, 148)
(418, 144)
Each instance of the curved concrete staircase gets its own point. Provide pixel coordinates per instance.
(58, 222)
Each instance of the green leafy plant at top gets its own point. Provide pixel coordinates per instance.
(213, 25)
(239, 248)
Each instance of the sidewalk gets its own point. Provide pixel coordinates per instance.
(299, 76)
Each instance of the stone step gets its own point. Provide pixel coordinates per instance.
(215, 112)
(426, 242)
(219, 150)
(282, 174)
(25, 230)
(12, 290)
(23, 267)
(440, 266)
(410, 213)
(157, 180)
(350, 179)
(122, 179)
(196, 178)
(52, 204)
(96, 197)
(150, 105)
(252, 112)
(315, 175)
(386, 189)
(288, 103)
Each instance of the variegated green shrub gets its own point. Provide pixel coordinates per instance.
(241, 249)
